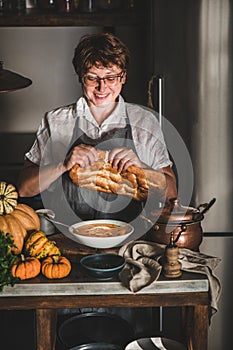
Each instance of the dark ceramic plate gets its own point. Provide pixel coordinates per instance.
(95, 327)
(103, 266)
(156, 343)
(97, 346)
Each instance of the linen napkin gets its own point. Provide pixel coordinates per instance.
(142, 267)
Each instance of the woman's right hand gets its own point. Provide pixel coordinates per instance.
(83, 155)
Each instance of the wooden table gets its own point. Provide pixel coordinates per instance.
(190, 292)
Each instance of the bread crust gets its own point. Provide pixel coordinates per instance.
(135, 182)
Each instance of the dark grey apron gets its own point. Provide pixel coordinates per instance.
(88, 204)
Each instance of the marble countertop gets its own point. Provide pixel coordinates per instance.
(79, 283)
(76, 284)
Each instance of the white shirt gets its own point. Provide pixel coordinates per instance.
(55, 132)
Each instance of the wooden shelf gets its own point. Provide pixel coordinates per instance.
(33, 18)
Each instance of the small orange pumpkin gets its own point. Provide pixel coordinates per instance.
(26, 267)
(56, 266)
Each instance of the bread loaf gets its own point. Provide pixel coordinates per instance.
(134, 182)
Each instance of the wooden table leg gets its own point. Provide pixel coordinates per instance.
(46, 323)
(195, 325)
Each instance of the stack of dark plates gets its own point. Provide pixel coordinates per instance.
(97, 346)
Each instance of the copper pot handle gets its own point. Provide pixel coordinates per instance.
(183, 229)
(206, 207)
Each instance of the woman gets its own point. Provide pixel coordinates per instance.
(100, 119)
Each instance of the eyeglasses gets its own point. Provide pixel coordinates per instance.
(90, 80)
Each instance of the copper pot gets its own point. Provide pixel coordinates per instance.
(181, 223)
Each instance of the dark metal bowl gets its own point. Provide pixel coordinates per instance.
(103, 266)
(95, 327)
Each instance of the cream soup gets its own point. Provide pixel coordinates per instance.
(101, 230)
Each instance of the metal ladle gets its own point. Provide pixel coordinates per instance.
(47, 221)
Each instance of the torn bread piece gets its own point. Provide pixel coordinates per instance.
(135, 182)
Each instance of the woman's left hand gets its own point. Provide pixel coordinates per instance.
(122, 158)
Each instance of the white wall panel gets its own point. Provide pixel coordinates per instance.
(44, 55)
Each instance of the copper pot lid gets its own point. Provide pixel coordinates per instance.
(10, 81)
(175, 213)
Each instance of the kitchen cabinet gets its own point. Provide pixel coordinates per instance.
(12, 149)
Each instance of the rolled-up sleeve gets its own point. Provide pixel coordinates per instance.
(37, 152)
(148, 137)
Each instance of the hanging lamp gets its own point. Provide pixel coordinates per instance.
(10, 81)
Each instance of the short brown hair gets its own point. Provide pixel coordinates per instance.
(103, 49)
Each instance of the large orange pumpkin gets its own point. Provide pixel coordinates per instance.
(27, 216)
(16, 219)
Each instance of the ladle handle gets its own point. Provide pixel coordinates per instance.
(206, 206)
(56, 222)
